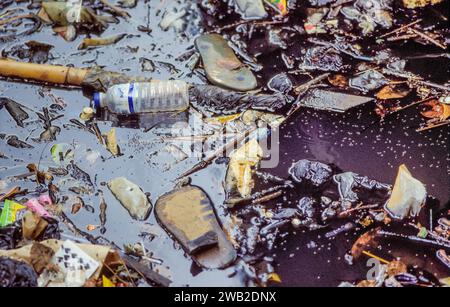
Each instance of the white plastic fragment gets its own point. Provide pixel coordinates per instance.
(408, 195)
(77, 265)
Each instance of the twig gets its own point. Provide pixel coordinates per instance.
(257, 197)
(253, 23)
(115, 9)
(402, 37)
(267, 197)
(401, 28)
(344, 213)
(410, 105)
(301, 89)
(129, 274)
(415, 78)
(431, 233)
(428, 38)
(11, 19)
(305, 86)
(114, 273)
(434, 126)
(10, 193)
(375, 257)
(413, 238)
(223, 149)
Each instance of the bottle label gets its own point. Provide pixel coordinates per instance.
(130, 98)
(120, 92)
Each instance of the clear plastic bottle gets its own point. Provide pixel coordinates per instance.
(145, 97)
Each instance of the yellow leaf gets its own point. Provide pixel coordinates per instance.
(224, 119)
(445, 281)
(107, 283)
(240, 166)
(111, 142)
(275, 278)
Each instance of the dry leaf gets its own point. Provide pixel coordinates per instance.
(40, 256)
(364, 241)
(338, 80)
(275, 278)
(111, 142)
(91, 227)
(76, 207)
(392, 92)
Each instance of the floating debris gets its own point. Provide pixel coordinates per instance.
(239, 180)
(14, 141)
(222, 67)
(131, 197)
(33, 51)
(16, 273)
(111, 142)
(280, 83)
(315, 172)
(188, 215)
(408, 195)
(97, 42)
(251, 9)
(368, 81)
(173, 19)
(15, 110)
(213, 99)
(333, 101)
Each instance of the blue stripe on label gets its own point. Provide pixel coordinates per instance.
(130, 98)
(96, 100)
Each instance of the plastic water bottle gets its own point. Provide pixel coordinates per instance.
(145, 97)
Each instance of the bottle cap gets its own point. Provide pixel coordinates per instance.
(87, 114)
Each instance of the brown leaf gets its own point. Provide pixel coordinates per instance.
(32, 225)
(392, 92)
(40, 256)
(338, 80)
(41, 177)
(364, 241)
(76, 207)
(91, 227)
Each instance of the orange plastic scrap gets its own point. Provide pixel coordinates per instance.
(436, 109)
(279, 5)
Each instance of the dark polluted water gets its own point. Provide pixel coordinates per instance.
(355, 141)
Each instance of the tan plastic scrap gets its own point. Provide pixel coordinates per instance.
(408, 195)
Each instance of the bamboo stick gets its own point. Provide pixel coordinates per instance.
(41, 72)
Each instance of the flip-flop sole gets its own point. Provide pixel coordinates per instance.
(188, 215)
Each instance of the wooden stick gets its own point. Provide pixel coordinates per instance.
(14, 18)
(41, 72)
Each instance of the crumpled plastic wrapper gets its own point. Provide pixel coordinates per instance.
(100, 80)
